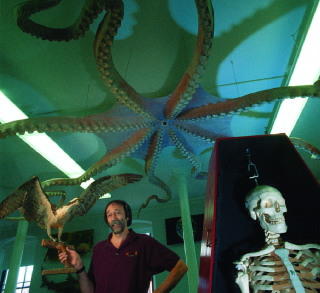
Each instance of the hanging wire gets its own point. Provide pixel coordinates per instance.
(252, 168)
(234, 76)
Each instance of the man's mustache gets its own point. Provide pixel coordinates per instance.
(115, 222)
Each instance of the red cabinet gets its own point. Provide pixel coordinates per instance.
(228, 231)
(207, 258)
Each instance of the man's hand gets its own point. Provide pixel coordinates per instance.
(73, 257)
(173, 278)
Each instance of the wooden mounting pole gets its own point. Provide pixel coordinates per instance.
(61, 247)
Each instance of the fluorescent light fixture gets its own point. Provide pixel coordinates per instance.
(42, 143)
(306, 71)
(288, 115)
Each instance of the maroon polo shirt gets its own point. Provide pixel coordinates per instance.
(129, 269)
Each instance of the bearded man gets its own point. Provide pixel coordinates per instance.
(126, 261)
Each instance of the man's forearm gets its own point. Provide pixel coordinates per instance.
(173, 278)
(85, 283)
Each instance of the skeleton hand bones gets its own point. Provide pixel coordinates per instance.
(242, 266)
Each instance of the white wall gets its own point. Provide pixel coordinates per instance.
(34, 253)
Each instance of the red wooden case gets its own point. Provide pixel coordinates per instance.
(228, 230)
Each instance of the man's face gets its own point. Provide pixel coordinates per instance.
(116, 218)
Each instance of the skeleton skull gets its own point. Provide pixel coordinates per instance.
(267, 204)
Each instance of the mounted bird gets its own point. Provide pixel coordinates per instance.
(33, 203)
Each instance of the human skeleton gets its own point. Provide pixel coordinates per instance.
(280, 267)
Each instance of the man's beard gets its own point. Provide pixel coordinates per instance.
(119, 229)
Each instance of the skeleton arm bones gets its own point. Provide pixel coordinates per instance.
(242, 265)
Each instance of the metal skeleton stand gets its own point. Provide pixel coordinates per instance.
(252, 168)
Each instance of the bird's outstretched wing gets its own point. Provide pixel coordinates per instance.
(16, 199)
(80, 206)
(36, 206)
(29, 199)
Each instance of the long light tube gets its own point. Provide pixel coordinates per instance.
(42, 143)
(306, 71)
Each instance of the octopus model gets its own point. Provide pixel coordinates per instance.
(188, 118)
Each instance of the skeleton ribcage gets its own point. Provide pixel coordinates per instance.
(269, 274)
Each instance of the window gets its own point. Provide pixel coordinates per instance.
(2, 281)
(23, 282)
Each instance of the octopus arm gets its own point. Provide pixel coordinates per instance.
(214, 131)
(61, 193)
(192, 77)
(159, 183)
(307, 146)
(110, 159)
(81, 205)
(246, 102)
(122, 91)
(154, 150)
(75, 124)
(23, 11)
(187, 152)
